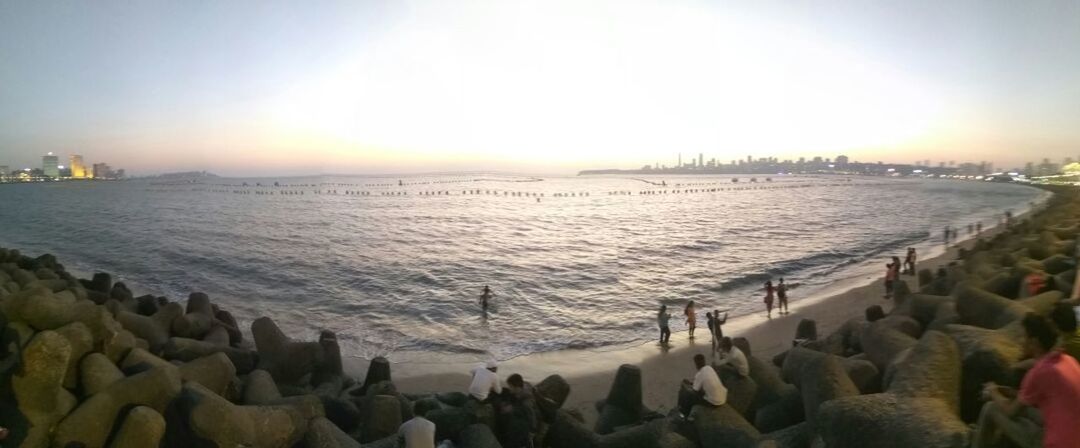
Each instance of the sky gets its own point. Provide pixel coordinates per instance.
(552, 86)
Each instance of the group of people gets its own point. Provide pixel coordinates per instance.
(516, 414)
(894, 269)
(778, 292)
(951, 233)
(708, 386)
(712, 318)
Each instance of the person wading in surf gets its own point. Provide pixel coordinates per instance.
(484, 297)
(769, 291)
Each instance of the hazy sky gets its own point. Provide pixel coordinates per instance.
(265, 87)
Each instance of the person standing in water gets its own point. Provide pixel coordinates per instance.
(769, 291)
(662, 319)
(484, 297)
(691, 317)
(781, 293)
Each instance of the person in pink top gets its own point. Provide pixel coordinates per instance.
(1046, 412)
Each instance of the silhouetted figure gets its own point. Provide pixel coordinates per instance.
(978, 228)
(781, 293)
(892, 273)
(909, 261)
(484, 297)
(769, 294)
(662, 319)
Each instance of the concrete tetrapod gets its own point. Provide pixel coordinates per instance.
(200, 417)
(38, 388)
(197, 319)
(286, 360)
(623, 405)
(91, 422)
(889, 421)
(930, 369)
(154, 329)
(143, 427)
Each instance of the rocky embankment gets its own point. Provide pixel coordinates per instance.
(87, 363)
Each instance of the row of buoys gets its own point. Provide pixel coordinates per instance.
(507, 193)
(399, 183)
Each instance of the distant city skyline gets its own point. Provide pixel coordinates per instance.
(381, 86)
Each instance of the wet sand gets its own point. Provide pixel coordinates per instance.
(590, 372)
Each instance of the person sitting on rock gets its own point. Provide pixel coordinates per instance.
(484, 381)
(1064, 318)
(418, 432)
(705, 390)
(1045, 412)
(515, 414)
(732, 360)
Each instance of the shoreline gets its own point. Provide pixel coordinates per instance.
(590, 372)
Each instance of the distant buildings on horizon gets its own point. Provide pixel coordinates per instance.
(51, 170)
(843, 165)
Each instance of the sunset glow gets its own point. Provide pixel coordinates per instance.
(532, 86)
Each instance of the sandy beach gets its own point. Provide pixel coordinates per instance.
(590, 372)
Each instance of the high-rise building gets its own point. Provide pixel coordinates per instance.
(841, 161)
(78, 169)
(701, 160)
(50, 165)
(5, 172)
(102, 171)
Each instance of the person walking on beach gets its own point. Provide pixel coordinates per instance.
(978, 228)
(691, 317)
(769, 291)
(662, 319)
(892, 271)
(781, 293)
(947, 233)
(706, 389)
(484, 297)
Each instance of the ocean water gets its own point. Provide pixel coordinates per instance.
(395, 265)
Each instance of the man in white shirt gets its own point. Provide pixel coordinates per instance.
(732, 360)
(706, 388)
(418, 432)
(485, 381)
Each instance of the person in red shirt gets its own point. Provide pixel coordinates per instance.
(1046, 413)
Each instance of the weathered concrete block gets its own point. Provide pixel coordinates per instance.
(286, 360)
(38, 387)
(183, 349)
(889, 421)
(723, 426)
(92, 421)
(930, 369)
(197, 319)
(882, 344)
(97, 373)
(154, 329)
(143, 427)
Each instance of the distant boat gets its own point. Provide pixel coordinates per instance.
(735, 180)
(753, 179)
